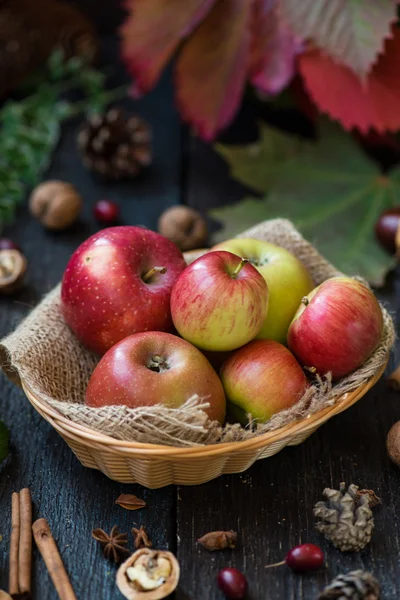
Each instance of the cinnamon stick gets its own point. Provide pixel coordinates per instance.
(25, 541)
(14, 544)
(394, 379)
(49, 551)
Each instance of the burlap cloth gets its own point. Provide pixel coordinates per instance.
(47, 357)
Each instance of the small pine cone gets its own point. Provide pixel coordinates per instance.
(114, 145)
(356, 585)
(345, 518)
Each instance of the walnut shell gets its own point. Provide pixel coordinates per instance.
(393, 443)
(148, 559)
(13, 265)
(56, 204)
(184, 226)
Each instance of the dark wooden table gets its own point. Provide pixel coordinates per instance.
(270, 505)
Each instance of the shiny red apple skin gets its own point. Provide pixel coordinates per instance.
(124, 377)
(215, 308)
(262, 378)
(103, 295)
(339, 328)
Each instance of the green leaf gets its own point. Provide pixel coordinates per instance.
(333, 194)
(4, 441)
(256, 165)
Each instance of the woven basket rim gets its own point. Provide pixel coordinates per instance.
(94, 437)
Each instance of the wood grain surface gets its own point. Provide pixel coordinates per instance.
(270, 505)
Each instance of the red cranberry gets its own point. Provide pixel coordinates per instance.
(232, 583)
(106, 211)
(386, 229)
(6, 244)
(306, 557)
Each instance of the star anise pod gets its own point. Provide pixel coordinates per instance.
(142, 540)
(113, 544)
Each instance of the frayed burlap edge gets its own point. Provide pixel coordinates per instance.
(46, 356)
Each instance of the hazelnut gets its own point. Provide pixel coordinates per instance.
(148, 575)
(393, 443)
(387, 230)
(184, 226)
(13, 265)
(56, 204)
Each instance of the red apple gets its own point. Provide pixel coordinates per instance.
(219, 302)
(262, 378)
(155, 368)
(337, 327)
(119, 282)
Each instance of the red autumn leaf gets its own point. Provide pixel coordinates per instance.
(212, 67)
(220, 44)
(350, 31)
(273, 49)
(336, 90)
(153, 31)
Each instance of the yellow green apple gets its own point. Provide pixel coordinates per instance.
(287, 278)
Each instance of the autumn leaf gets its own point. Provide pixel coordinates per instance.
(333, 194)
(336, 90)
(273, 49)
(257, 165)
(212, 68)
(219, 46)
(350, 31)
(152, 32)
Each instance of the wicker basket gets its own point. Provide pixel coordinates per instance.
(157, 466)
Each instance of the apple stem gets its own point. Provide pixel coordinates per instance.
(305, 301)
(237, 270)
(158, 364)
(278, 564)
(152, 272)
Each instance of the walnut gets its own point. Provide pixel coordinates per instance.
(56, 204)
(393, 443)
(148, 575)
(13, 265)
(184, 226)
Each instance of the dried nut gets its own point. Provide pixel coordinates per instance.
(184, 226)
(13, 265)
(393, 443)
(148, 575)
(56, 204)
(387, 230)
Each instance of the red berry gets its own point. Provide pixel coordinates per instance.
(306, 557)
(106, 211)
(6, 244)
(232, 583)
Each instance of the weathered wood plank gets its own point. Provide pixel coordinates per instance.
(271, 504)
(74, 499)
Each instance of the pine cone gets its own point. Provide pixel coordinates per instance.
(356, 585)
(114, 145)
(346, 520)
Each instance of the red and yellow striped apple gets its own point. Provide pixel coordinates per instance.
(337, 327)
(152, 368)
(119, 282)
(262, 378)
(287, 278)
(219, 302)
